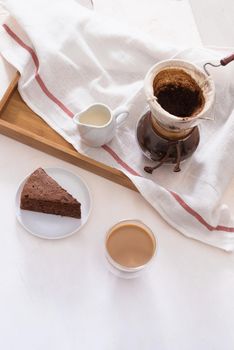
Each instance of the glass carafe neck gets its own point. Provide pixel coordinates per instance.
(169, 134)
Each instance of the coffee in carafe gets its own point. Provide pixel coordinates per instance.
(179, 95)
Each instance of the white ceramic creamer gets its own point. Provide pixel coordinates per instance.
(97, 124)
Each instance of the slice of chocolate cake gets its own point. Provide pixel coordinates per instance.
(43, 194)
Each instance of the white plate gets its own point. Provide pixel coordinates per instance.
(54, 226)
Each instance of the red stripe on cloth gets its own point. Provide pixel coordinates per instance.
(119, 160)
(108, 149)
(52, 97)
(21, 43)
(199, 217)
(37, 76)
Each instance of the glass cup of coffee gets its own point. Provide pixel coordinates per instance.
(130, 247)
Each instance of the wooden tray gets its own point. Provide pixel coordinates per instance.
(19, 122)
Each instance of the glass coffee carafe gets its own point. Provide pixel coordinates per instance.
(180, 96)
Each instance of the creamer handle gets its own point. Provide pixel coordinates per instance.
(121, 114)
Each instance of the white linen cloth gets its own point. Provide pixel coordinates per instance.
(69, 57)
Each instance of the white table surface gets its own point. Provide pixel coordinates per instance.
(60, 295)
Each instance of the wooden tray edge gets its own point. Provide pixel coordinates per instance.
(11, 88)
(54, 149)
(72, 157)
